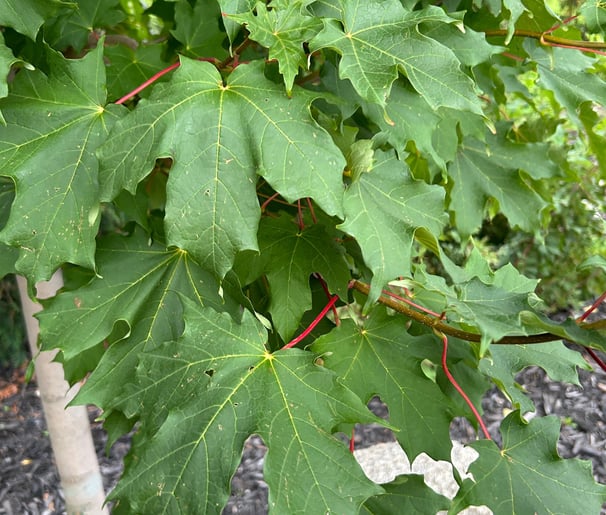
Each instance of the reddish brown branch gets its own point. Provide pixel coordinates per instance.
(439, 325)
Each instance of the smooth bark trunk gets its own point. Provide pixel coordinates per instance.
(69, 428)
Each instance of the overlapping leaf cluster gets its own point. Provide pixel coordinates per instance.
(296, 145)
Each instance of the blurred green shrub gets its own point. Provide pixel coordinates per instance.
(576, 225)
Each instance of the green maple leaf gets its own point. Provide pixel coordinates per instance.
(198, 28)
(54, 126)
(531, 15)
(220, 137)
(132, 302)
(289, 256)
(494, 6)
(411, 119)
(593, 261)
(7, 59)
(490, 302)
(516, 9)
(381, 358)
(283, 32)
(571, 80)
(594, 12)
(72, 27)
(484, 173)
(378, 38)
(472, 302)
(492, 308)
(27, 16)
(527, 475)
(476, 265)
(327, 9)
(506, 361)
(470, 47)
(591, 119)
(8, 255)
(229, 386)
(383, 209)
(568, 330)
(406, 494)
(234, 7)
(128, 68)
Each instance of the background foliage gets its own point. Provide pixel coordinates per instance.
(288, 159)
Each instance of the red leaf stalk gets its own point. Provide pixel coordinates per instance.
(459, 389)
(328, 296)
(311, 211)
(149, 81)
(592, 308)
(558, 25)
(574, 47)
(413, 304)
(155, 77)
(596, 358)
(268, 201)
(582, 318)
(300, 221)
(315, 322)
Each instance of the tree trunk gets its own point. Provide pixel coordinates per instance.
(68, 428)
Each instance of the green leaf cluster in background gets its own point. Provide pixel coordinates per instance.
(278, 154)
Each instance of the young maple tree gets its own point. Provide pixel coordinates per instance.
(245, 197)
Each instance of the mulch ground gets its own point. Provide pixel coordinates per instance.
(29, 483)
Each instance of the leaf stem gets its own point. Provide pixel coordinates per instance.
(268, 201)
(149, 81)
(558, 25)
(327, 292)
(311, 210)
(273, 198)
(300, 220)
(234, 58)
(454, 383)
(438, 325)
(315, 322)
(597, 358)
(156, 76)
(593, 307)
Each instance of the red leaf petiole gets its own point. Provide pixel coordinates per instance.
(582, 318)
(315, 322)
(458, 388)
(413, 304)
(149, 81)
(156, 76)
(327, 292)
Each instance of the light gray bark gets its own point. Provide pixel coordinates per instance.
(68, 428)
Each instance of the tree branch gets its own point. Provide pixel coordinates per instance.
(439, 325)
(547, 39)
